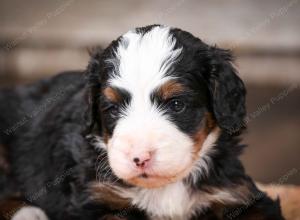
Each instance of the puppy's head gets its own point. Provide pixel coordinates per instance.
(160, 97)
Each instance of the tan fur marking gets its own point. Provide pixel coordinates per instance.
(112, 94)
(199, 139)
(9, 207)
(109, 195)
(237, 194)
(207, 126)
(170, 89)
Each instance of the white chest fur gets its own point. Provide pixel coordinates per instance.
(170, 202)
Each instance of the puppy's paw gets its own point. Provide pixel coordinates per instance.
(30, 213)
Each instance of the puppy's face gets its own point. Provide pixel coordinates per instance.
(155, 109)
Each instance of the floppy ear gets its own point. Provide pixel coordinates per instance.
(97, 73)
(93, 74)
(227, 91)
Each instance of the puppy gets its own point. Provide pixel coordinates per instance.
(149, 131)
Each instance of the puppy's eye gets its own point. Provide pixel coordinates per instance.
(176, 106)
(114, 110)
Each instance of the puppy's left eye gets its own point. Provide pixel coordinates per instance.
(176, 106)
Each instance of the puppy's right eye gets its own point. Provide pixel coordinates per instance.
(113, 110)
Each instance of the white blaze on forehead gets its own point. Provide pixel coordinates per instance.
(144, 60)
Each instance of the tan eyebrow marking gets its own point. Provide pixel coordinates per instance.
(170, 88)
(112, 94)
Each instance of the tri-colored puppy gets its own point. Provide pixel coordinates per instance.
(149, 131)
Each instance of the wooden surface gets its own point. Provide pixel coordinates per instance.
(289, 199)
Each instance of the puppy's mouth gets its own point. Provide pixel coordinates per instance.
(143, 175)
(152, 180)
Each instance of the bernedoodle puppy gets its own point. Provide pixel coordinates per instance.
(149, 131)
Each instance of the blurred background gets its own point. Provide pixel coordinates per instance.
(39, 38)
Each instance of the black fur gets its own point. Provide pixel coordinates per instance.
(52, 158)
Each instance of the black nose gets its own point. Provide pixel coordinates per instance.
(140, 163)
(136, 160)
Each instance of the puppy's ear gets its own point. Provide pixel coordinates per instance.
(95, 67)
(227, 91)
(93, 78)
